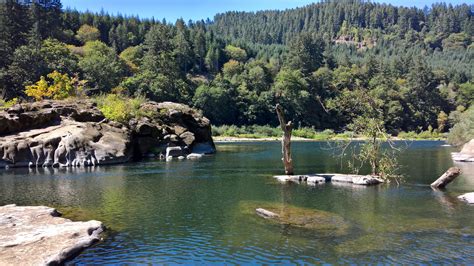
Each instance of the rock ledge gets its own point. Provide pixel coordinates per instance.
(37, 236)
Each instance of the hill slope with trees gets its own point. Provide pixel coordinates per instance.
(317, 61)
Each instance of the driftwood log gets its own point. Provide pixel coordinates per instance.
(286, 140)
(446, 178)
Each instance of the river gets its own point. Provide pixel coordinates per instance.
(201, 211)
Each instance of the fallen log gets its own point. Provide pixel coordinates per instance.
(266, 214)
(446, 178)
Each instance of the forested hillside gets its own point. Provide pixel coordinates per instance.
(318, 61)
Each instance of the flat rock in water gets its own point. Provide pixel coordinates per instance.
(468, 197)
(310, 179)
(365, 180)
(37, 236)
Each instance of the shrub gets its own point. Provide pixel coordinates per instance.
(8, 104)
(120, 108)
(60, 87)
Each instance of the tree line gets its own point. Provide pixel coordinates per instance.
(317, 61)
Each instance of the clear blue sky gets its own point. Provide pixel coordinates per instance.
(202, 9)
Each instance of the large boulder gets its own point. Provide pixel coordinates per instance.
(466, 154)
(171, 124)
(66, 133)
(37, 236)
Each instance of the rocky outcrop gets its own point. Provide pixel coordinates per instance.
(172, 125)
(466, 154)
(62, 134)
(37, 236)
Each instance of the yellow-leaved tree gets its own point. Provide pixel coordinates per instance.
(60, 87)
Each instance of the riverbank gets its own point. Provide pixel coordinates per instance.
(234, 133)
(224, 139)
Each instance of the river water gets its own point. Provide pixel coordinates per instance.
(202, 211)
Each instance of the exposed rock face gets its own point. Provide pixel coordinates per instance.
(37, 236)
(69, 144)
(172, 125)
(466, 154)
(53, 133)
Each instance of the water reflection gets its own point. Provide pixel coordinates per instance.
(191, 211)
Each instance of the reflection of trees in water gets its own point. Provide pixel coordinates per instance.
(57, 186)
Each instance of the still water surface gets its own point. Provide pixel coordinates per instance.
(202, 211)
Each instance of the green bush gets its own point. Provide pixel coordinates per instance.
(427, 134)
(408, 135)
(257, 131)
(8, 104)
(120, 108)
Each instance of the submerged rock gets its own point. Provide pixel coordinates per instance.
(37, 236)
(296, 217)
(66, 133)
(466, 154)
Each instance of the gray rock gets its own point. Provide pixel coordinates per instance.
(194, 156)
(315, 180)
(310, 179)
(468, 197)
(289, 178)
(175, 152)
(366, 180)
(188, 138)
(37, 236)
(69, 144)
(66, 133)
(336, 178)
(466, 154)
